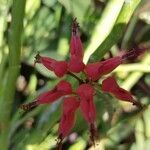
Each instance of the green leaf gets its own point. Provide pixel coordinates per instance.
(135, 76)
(77, 7)
(118, 30)
(104, 26)
(31, 8)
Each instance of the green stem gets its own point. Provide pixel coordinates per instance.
(7, 98)
(76, 77)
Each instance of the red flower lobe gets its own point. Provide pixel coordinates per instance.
(76, 47)
(86, 93)
(62, 88)
(95, 70)
(60, 68)
(110, 85)
(70, 105)
(76, 50)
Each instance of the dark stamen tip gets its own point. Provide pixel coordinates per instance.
(138, 104)
(59, 142)
(37, 58)
(75, 26)
(93, 133)
(29, 106)
(134, 53)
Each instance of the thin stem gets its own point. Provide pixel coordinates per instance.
(76, 77)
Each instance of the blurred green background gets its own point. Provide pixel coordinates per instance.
(106, 28)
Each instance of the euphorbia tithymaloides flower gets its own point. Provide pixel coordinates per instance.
(59, 67)
(62, 88)
(86, 93)
(83, 96)
(67, 121)
(117, 91)
(95, 70)
(76, 50)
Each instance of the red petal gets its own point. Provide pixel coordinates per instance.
(86, 93)
(109, 65)
(123, 94)
(88, 110)
(60, 68)
(64, 87)
(76, 47)
(75, 64)
(70, 105)
(66, 124)
(110, 85)
(92, 71)
(48, 97)
(76, 50)
(95, 70)
(47, 62)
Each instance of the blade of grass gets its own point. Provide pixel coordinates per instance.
(135, 76)
(145, 68)
(118, 30)
(127, 39)
(104, 26)
(7, 97)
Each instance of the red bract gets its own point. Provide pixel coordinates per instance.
(76, 47)
(95, 70)
(76, 50)
(60, 68)
(67, 121)
(110, 85)
(62, 88)
(86, 93)
(75, 64)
